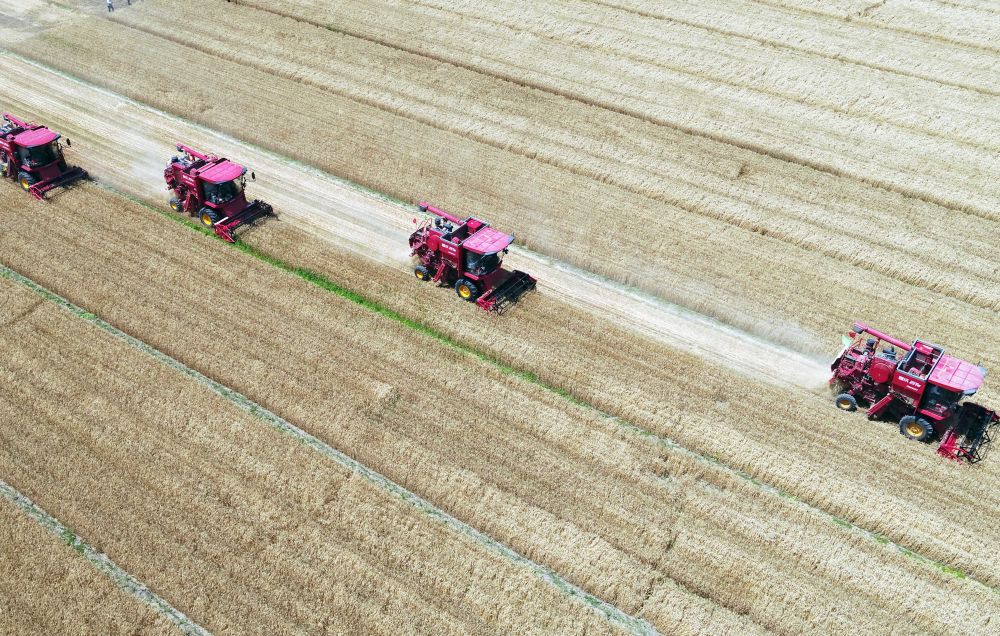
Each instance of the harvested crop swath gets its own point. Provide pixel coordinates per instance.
(692, 262)
(181, 486)
(47, 588)
(454, 430)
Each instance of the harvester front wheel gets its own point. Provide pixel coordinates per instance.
(209, 217)
(916, 428)
(26, 180)
(846, 402)
(421, 273)
(466, 290)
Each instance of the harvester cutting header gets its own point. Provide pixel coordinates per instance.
(212, 189)
(33, 156)
(467, 255)
(918, 385)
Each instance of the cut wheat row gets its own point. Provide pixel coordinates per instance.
(852, 41)
(970, 25)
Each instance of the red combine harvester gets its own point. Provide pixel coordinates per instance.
(467, 255)
(918, 386)
(32, 155)
(213, 190)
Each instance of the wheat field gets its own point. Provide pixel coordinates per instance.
(545, 509)
(781, 166)
(181, 486)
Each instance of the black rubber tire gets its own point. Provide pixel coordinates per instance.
(5, 164)
(26, 178)
(846, 402)
(422, 273)
(207, 214)
(463, 284)
(175, 205)
(911, 424)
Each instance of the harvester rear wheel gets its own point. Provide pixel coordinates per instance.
(916, 428)
(422, 273)
(846, 402)
(466, 289)
(26, 180)
(209, 217)
(175, 205)
(4, 164)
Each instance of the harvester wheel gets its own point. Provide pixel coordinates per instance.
(26, 180)
(421, 273)
(916, 428)
(466, 290)
(4, 164)
(846, 402)
(175, 205)
(209, 217)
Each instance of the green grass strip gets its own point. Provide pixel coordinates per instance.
(611, 613)
(325, 283)
(106, 566)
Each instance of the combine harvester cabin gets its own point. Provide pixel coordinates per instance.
(212, 189)
(32, 155)
(468, 256)
(919, 386)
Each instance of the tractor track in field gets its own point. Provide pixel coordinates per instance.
(99, 561)
(127, 144)
(610, 612)
(577, 95)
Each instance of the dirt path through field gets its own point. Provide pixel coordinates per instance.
(126, 144)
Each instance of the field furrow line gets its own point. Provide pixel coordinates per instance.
(814, 510)
(610, 612)
(101, 562)
(844, 57)
(800, 237)
(575, 94)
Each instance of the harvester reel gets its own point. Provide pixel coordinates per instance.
(846, 402)
(916, 428)
(466, 289)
